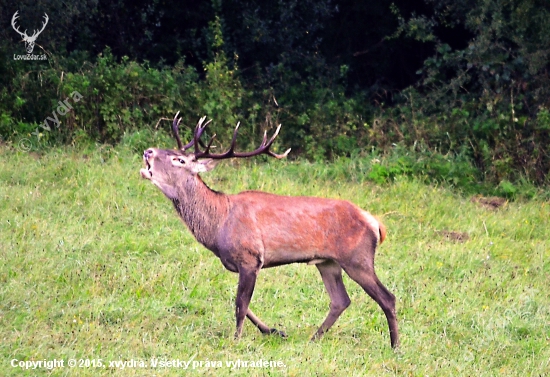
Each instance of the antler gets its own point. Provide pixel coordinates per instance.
(199, 129)
(262, 149)
(13, 19)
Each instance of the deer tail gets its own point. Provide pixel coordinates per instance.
(382, 230)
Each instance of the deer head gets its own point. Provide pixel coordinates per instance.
(29, 40)
(168, 169)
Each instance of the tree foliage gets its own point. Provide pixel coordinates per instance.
(465, 78)
(493, 94)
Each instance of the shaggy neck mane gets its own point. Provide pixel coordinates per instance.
(203, 210)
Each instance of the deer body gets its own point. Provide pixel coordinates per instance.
(297, 229)
(278, 229)
(254, 230)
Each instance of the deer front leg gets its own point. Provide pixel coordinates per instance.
(262, 326)
(247, 280)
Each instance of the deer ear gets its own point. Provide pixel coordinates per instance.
(202, 166)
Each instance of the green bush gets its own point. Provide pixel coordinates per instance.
(479, 113)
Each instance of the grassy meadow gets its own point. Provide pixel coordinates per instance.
(97, 266)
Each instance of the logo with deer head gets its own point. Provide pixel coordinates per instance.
(29, 39)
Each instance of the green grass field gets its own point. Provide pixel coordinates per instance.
(97, 267)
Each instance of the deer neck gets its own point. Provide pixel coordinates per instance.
(203, 210)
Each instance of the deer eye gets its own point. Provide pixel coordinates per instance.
(181, 160)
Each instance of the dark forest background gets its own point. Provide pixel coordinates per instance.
(457, 90)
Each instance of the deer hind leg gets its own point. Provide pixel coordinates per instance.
(331, 272)
(368, 280)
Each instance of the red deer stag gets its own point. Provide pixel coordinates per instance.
(254, 230)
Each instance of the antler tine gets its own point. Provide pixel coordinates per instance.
(196, 134)
(274, 135)
(175, 130)
(234, 139)
(199, 129)
(207, 149)
(279, 156)
(264, 140)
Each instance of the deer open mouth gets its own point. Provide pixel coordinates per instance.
(146, 173)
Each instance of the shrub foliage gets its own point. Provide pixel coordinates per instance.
(462, 80)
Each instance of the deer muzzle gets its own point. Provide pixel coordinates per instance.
(146, 172)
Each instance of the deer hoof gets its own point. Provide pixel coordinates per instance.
(318, 335)
(277, 332)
